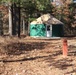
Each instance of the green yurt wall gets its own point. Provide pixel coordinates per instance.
(37, 30)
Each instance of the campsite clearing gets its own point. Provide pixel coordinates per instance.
(31, 56)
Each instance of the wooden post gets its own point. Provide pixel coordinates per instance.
(65, 47)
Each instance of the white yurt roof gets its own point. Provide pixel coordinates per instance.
(47, 19)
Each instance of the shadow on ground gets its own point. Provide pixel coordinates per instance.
(20, 47)
(61, 63)
(72, 50)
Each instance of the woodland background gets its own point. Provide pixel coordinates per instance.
(16, 15)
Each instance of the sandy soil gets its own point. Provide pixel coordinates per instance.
(29, 56)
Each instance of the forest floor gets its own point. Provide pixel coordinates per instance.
(31, 56)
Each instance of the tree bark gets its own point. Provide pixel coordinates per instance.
(23, 26)
(10, 21)
(28, 28)
(1, 24)
(19, 21)
(14, 13)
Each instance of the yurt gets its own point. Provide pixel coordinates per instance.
(46, 26)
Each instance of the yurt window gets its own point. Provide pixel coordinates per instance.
(48, 28)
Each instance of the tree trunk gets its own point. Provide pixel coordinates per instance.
(14, 13)
(19, 21)
(1, 24)
(28, 28)
(23, 26)
(10, 21)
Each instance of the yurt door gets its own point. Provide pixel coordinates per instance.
(48, 30)
(57, 30)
